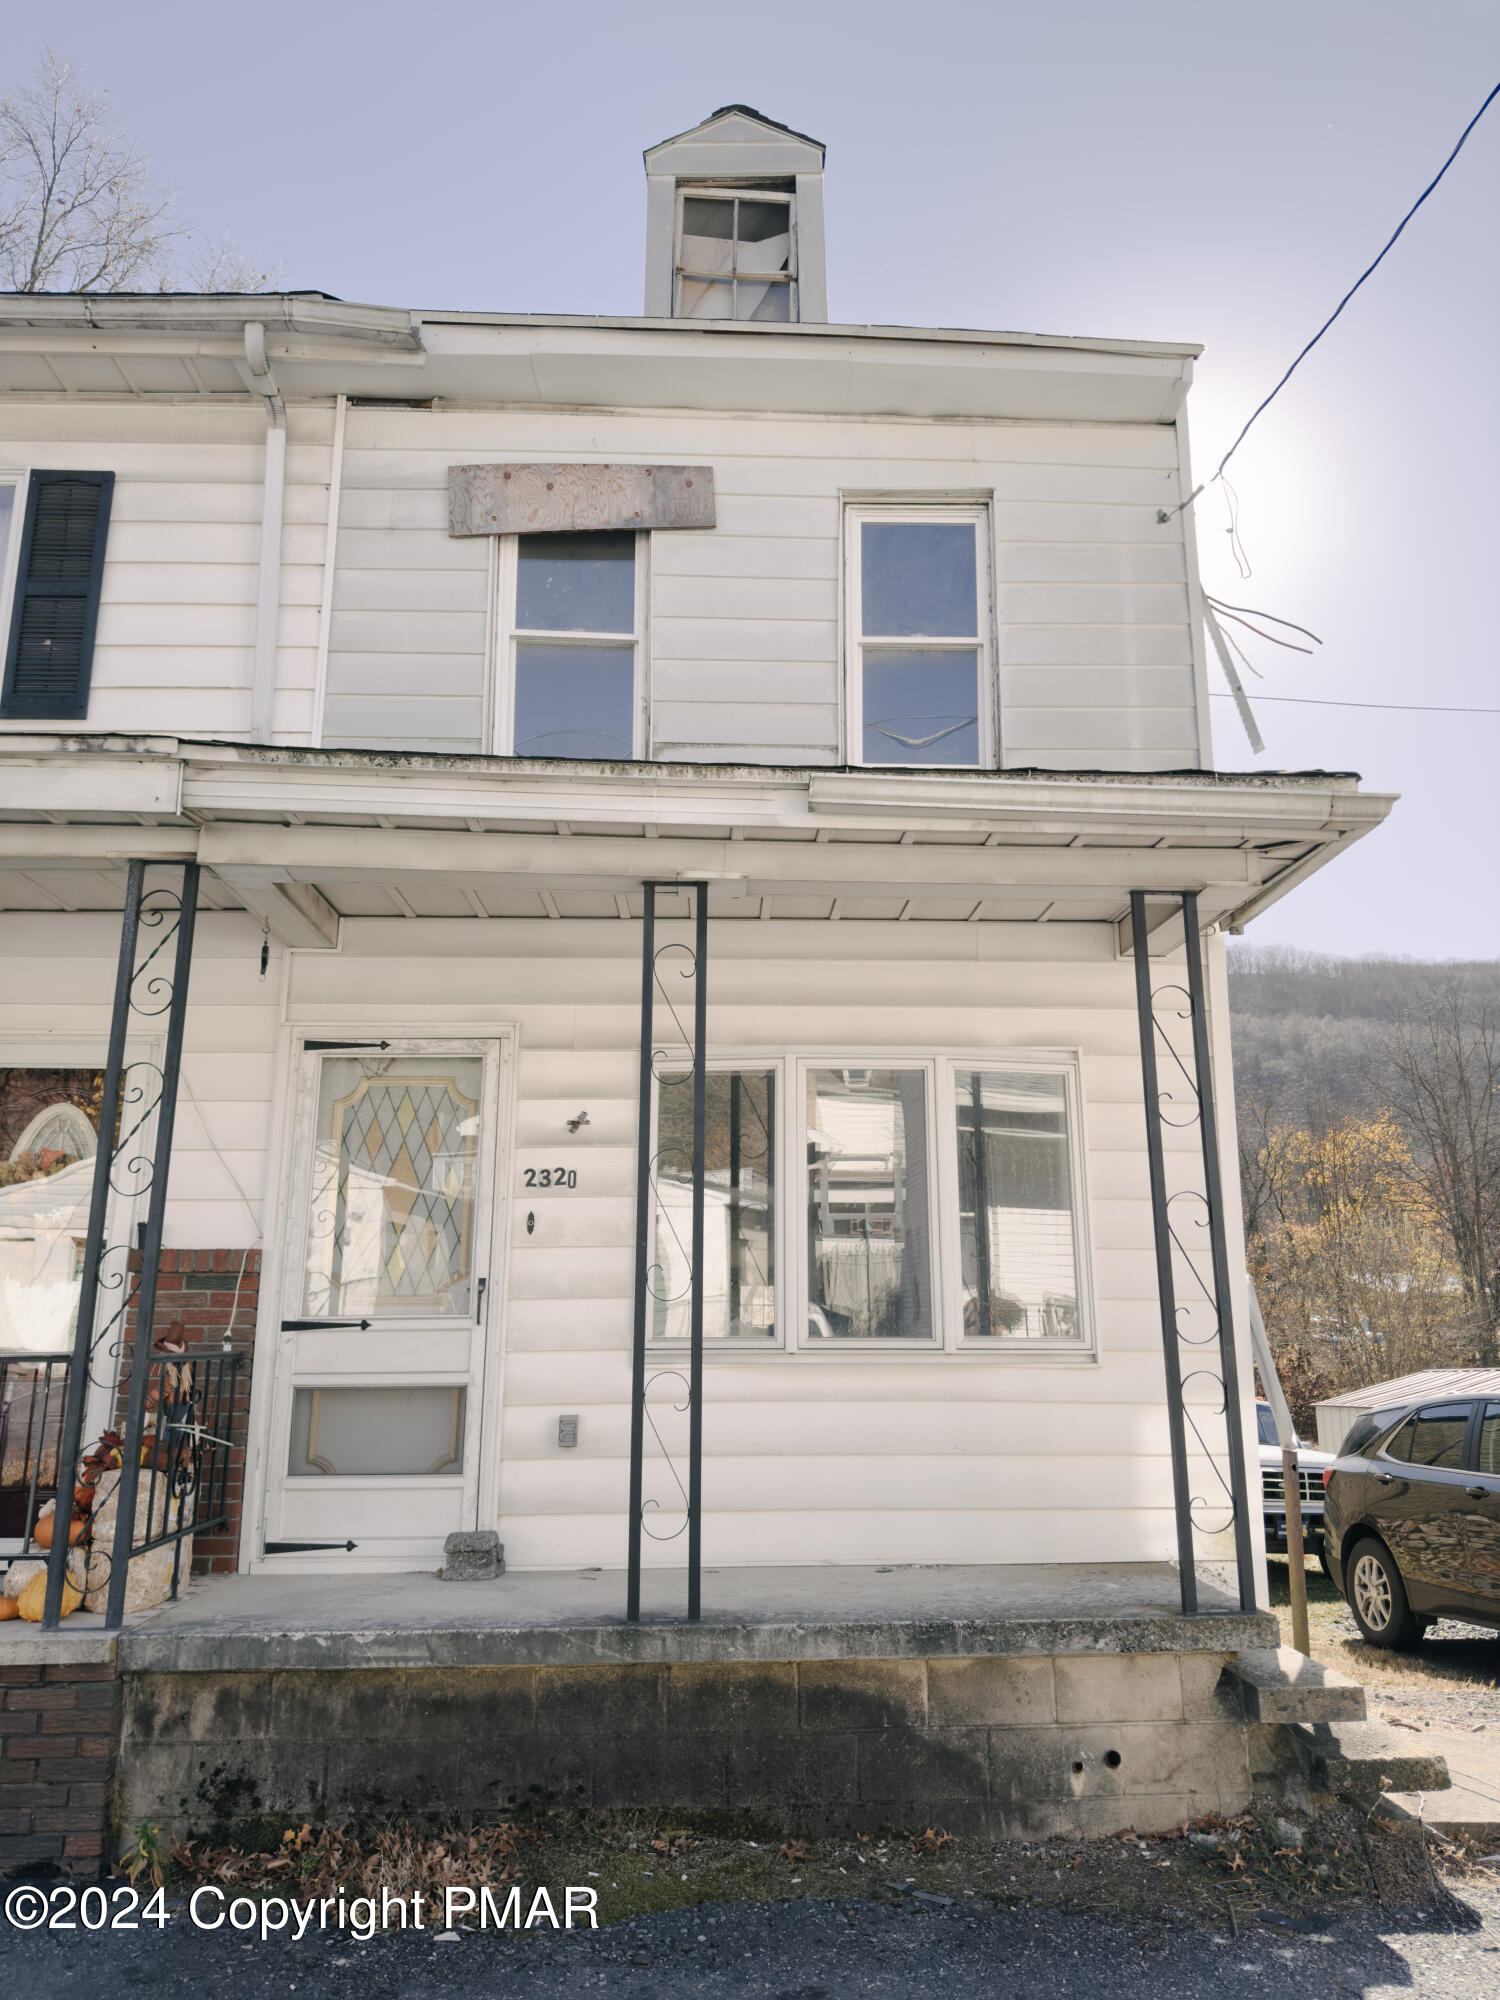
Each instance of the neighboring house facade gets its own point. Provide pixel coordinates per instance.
(432, 640)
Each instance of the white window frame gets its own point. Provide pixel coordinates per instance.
(735, 191)
(941, 1069)
(508, 635)
(774, 1341)
(856, 514)
(1016, 1345)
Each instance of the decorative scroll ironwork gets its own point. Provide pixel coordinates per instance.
(672, 1065)
(136, 1117)
(1209, 1484)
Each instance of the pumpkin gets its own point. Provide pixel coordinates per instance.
(41, 1533)
(8, 1609)
(32, 1601)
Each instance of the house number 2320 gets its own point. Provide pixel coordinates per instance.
(551, 1177)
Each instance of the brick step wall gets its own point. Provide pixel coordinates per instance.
(59, 1734)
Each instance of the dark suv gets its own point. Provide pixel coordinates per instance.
(1412, 1518)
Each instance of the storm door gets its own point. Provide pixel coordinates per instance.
(376, 1429)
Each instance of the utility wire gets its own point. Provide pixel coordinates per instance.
(1163, 513)
(1317, 701)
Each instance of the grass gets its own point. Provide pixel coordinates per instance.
(1451, 1656)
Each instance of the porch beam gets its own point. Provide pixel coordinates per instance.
(295, 913)
(325, 852)
(33, 843)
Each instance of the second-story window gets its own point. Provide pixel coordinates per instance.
(735, 256)
(570, 658)
(917, 617)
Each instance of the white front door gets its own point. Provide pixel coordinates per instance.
(377, 1428)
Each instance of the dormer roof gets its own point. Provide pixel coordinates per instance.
(737, 142)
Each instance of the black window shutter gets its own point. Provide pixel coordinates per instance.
(50, 657)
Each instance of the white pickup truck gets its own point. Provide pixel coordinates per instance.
(1310, 1465)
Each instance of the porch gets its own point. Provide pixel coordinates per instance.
(577, 1617)
(1016, 1699)
(995, 957)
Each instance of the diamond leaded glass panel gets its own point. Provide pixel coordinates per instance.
(392, 1224)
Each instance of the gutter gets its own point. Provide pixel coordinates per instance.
(256, 370)
(211, 315)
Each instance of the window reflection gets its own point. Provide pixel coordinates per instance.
(1015, 1204)
(868, 1229)
(739, 1201)
(919, 633)
(575, 648)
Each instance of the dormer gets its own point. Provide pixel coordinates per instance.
(734, 222)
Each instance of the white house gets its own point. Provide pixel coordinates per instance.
(442, 645)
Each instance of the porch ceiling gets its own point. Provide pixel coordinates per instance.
(308, 838)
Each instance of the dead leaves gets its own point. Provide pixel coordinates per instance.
(930, 1842)
(321, 1861)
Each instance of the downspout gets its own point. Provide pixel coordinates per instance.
(257, 373)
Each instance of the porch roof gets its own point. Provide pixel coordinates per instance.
(576, 1618)
(304, 837)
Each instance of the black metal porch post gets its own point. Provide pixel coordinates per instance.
(1208, 1128)
(695, 1359)
(1162, 1229)
(145, 1307)
(643, 1226)
(645, 1223)
(71, 1441)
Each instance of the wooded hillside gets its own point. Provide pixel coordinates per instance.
(1368, 1100)
(1307, 1028)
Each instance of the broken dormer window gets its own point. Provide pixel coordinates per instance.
(735, 255)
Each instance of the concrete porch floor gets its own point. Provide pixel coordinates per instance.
(576, 1617)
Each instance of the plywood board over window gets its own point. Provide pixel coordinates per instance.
(577, 499)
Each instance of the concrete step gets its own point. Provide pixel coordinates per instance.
(1279, 1684)
(1365, 1760)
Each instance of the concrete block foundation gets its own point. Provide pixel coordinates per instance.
(1013, 1747)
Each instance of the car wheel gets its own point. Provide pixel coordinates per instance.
(1377, 1597)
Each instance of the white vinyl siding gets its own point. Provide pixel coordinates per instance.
(176, 638)
(1092, 650)
(1093, 654)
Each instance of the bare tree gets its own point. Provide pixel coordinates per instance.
(79, 211)
(221, 266)
(1443, 1062)
(1263, 1159)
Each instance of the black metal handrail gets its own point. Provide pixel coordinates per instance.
(32, 1395)
(183, 1452)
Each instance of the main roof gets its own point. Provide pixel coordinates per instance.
(191, 345)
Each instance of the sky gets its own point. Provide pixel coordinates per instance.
(1206, 172)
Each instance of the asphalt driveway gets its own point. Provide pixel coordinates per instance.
(804, 1951)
